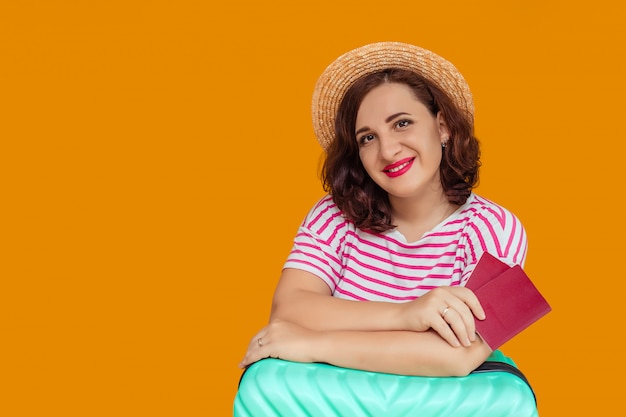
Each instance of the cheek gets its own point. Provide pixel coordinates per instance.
(368, 166)
(434, 149)
(367, 159)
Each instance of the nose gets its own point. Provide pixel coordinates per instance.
(389, 147)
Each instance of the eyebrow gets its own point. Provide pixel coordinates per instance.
(387, 120)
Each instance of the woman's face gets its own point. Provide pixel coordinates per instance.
(400, 141)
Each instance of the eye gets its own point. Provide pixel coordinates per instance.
(366, 139)
(403, 123)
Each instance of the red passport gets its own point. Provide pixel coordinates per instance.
(510, 300)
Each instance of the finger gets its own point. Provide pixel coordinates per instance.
(257, 342)
(445, 331)
(477, 309)
(249, 359)
(446, 295)
(472, 301)
(457, 325)
(255, 352)
(262, 335)
(461, 319)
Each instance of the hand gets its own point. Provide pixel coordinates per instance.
(284, 340)
(449, 311)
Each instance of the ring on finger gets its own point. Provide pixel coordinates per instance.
(445, 310)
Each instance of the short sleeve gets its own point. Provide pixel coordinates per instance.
(496, 230)
(318, 245)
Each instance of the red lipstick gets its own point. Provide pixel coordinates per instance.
(398, 168)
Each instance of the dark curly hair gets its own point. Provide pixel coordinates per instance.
(344, 177)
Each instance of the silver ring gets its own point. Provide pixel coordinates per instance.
(259, 342)
(443, 314)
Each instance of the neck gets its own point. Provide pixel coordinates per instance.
(416, 216)
(420, 208)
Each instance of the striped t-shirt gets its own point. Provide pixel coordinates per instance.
(359, 265)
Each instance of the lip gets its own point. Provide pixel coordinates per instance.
(398, 168)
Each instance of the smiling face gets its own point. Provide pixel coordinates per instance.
(399, 142)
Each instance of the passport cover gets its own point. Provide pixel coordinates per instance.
(510, 300)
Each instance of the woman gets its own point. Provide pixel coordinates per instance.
(375, 279)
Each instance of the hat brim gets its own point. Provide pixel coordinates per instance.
(349, 67)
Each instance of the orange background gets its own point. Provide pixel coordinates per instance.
(158, 156)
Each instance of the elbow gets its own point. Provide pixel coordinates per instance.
(464, 360)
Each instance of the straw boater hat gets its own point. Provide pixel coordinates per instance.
(345, 70)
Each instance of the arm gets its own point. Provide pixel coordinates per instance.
(403, 352)
(308, 324)
(300, 293)
(397, 352)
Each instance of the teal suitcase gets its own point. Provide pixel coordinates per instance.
(274, 387)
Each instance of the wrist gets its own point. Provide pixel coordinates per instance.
(399, 321)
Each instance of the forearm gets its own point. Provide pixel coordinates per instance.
(322, 312)
(398, 352)
(304, 299)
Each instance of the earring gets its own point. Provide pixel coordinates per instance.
(443, 145)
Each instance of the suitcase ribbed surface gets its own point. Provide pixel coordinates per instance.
(273, 387)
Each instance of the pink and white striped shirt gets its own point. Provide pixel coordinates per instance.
(359, 265)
